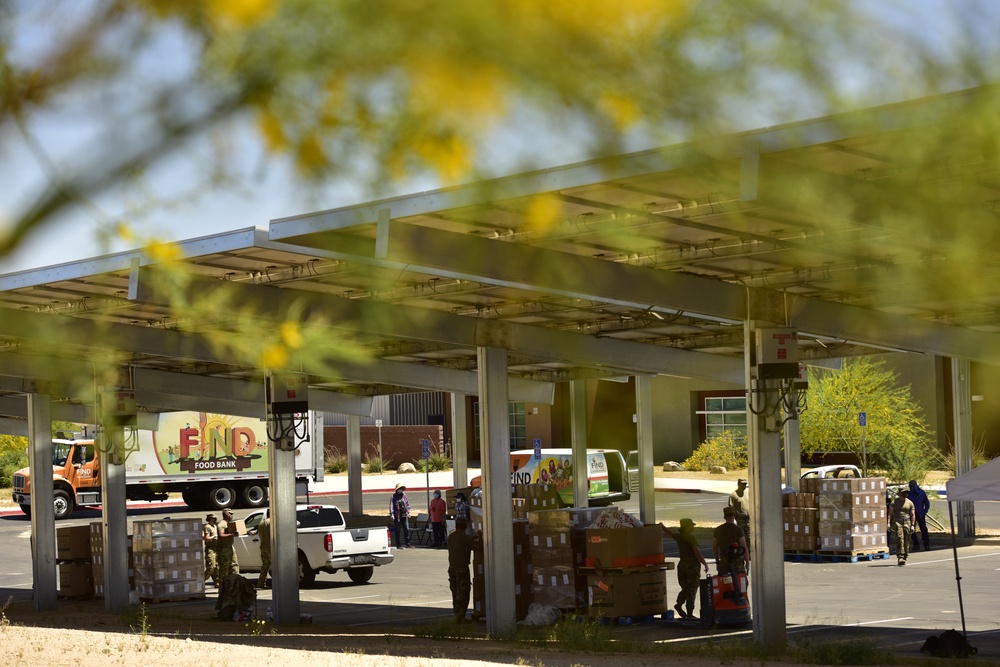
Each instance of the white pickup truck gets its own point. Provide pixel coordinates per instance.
(325, 544)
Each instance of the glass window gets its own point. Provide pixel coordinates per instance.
(725, 414)
(516, 422)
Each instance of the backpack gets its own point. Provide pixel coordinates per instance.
(950, 644)
(401, 507)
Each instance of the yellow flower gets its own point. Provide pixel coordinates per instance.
(163, 252)
(621, 110)
(274, 356)
(291, 335)
(124, 232)
(543, 213)
(242, 13)
(450, 156)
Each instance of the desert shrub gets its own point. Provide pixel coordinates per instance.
(336, 462)
(728, 449)
(436, 461)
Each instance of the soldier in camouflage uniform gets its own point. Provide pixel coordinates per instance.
(227, 552)
(210, 533)
(264, 533)
(739, 500)
(689, 567)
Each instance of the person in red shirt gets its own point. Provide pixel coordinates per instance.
(437, 510)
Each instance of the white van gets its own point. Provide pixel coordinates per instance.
(606, 475)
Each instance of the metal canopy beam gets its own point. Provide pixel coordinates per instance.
(396, 321)
(467, 257)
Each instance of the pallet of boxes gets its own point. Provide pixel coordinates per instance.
(169, 560)
(75, 560)
(851, 522)
(99, 557)
(625, 569)
(525, 498)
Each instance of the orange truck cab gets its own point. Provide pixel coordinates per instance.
(76, 477)
(606, 474)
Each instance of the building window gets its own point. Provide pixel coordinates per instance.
(516, 423)
(724, 413)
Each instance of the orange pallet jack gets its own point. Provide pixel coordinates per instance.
(724, 600)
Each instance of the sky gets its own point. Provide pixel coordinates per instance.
(171, 201)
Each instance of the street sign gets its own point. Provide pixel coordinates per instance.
(538, 448)
(862, 419)
(425, 445)
(378, 423)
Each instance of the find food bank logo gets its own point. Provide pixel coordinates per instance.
(215, 443)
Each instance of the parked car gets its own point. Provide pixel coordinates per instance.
(826, 472)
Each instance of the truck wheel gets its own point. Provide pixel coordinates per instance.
(221, 497)
(253, 495)
(361, 575)
(26, 509)
(62, 503)
(307, 575)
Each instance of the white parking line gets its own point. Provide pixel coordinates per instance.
(951, 560)
(360, 597)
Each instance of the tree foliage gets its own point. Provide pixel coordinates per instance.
(728, 449)
(895, 439)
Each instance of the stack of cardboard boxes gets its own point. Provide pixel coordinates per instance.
(74, 558)
(97, 550)
(850, 514)
(625, 572)
(558, 549)
(801, 519)
(169, 559)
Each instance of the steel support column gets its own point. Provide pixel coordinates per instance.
(114, 518)
(792, 450)
(498, 532)
(459, 441)
(578, 440)
(961, 402)
(43, 533)
(284, 533)
(767, 566)
(644, 437)
(355, 492)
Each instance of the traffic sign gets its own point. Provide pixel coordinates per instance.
(538, 448)
(862, 419)
(425, 445)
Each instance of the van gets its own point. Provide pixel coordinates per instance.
(606, 475)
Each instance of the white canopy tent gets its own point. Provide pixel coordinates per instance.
(982, 483)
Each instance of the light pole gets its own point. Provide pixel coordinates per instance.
(381, 462)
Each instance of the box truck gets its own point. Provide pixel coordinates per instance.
(214, 461)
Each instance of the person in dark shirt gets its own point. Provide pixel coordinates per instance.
(460, 546)
(727, 538)
(688, 568)
(921, 505)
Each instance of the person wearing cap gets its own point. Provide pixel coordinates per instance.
(399, 510)
(438, 508)
(904, 515)
(727, 538)
(210, 534)
(739, 500)
(688, 567)
(921, 505)
(227, 549)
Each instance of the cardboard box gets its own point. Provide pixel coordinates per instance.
(853, 485)
(624, 547)
(635, 594)
(73, 542)
(76, 580)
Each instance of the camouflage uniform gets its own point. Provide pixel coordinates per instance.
(227, 552)
(264, 533)
(739, 500)
(210, 533)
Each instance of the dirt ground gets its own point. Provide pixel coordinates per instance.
(87, 638)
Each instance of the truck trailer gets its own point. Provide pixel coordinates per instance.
(214, 461)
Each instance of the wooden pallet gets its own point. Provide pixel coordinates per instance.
(834, 556)
(638, 569)
(174, 598)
